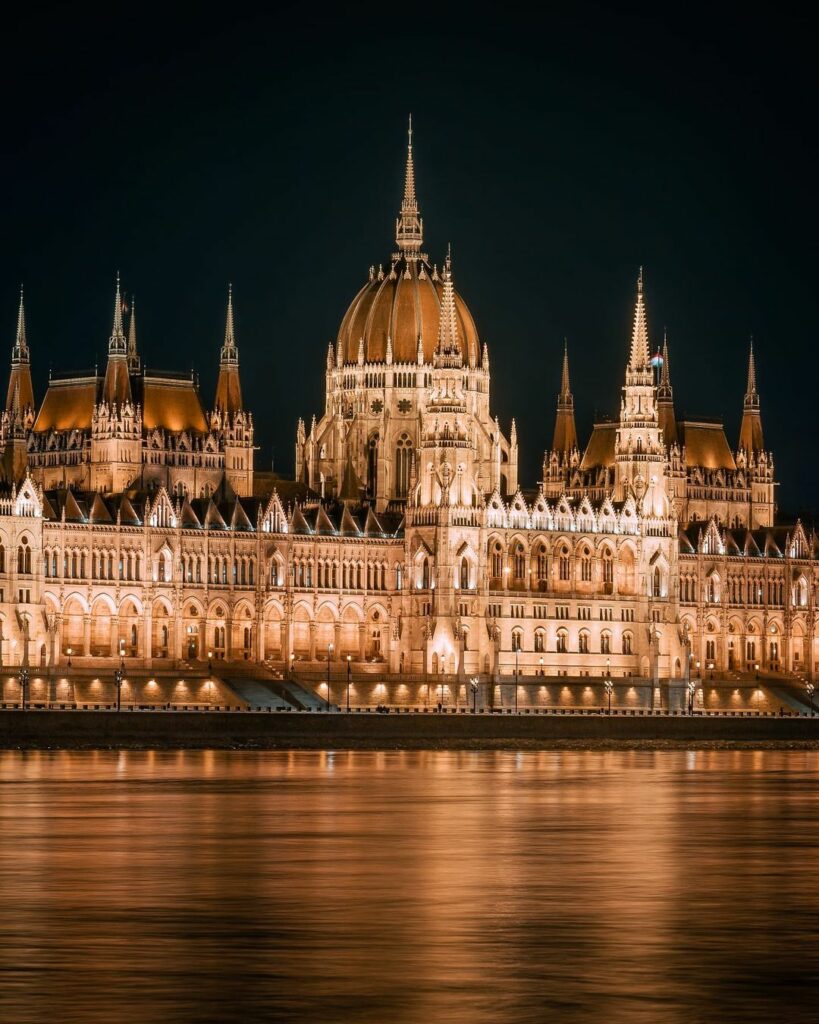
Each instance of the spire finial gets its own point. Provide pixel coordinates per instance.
(448, 347)
(20, 353)
(665, 371)
(750, 391)
(639, 357)
(133, 355)
(230, 353)
(409, 228)
(116, 343)
(565, 386)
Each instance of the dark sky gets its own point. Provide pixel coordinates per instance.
(556, 151)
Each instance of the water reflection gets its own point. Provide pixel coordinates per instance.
(451, 887)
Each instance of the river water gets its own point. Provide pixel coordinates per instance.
(431, 887)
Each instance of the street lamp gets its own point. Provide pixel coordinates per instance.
(809, 687)
(692, 689)
(517, 651)
(756, 669)
(473, 682)
(540, 661)
(349, 670)
(23, 686)
(609, 687)
(329, 655)
(292, 659)
(118, 681)
(69, 657)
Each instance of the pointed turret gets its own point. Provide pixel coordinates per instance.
(20, 397)
(117, 387)
(750, 433)
(665, 400)
(565, 436)
(134, 362)
(448, 349)
(228, 388)
(409, 227)
(639, 357)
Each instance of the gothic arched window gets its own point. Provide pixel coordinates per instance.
(372, 466)
(403, 456)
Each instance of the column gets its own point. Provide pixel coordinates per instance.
(86, 634)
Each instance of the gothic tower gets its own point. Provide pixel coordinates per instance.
(229, 415)
(18, 416)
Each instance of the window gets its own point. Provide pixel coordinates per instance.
(542, 564)
(372, 466)
(563, 564)
(562, 641)
(627, 640)
(710, 650)
(586, 566)
(24, 556)
(539, 648)
(464, 574)
(608, 571)
(656, 582)
(583, 642)
(520, 562)
(517, 640)
(497, 561)
(425, 574)
(403, 456)
(605, 642)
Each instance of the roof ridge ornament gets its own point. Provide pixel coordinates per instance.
(230, 353)
(20, 353)
(134, 363)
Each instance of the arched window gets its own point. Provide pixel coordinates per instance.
(497, 561)
(605, 642)
(583, 641)
(24, 556)
(563, 563)
(517, 640)
(539, 646)
(372, 466)
(656, 582)
(608, 571)
(520, 562)
(585, 566)
(542, 565)
(627, 641)
(562, 641)
(425, 574)
(464, 574)
(3, 559)
(403, 457)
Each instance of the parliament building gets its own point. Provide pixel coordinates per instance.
(134, 531)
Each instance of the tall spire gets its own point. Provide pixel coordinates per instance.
(750, 432)
(116, 343)
(409, 227)
(134, 364)
(565, 388)
(639, 357)
(20, 396)
(20, 353)
(751, 395)
(665, 400)
(565, 435)
(116, 388)
(229, 351)
(228, 387)
(448, 350)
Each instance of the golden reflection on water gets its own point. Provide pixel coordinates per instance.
(462, 887)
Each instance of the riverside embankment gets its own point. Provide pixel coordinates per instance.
(81, 730)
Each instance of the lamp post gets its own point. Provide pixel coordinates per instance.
(540, 662)
(118, 682)
(516, 679)
(692, 689)
(441, 700)
(349, 670)
(292, 659)
(329, 655)
(609, 687)
(69, 657)
(810, 688)
(23, 687)
(474, 684)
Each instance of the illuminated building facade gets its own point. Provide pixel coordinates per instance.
(406, 547)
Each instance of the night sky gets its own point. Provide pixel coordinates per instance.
(557, 153)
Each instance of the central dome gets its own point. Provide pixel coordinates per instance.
(403, 305)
